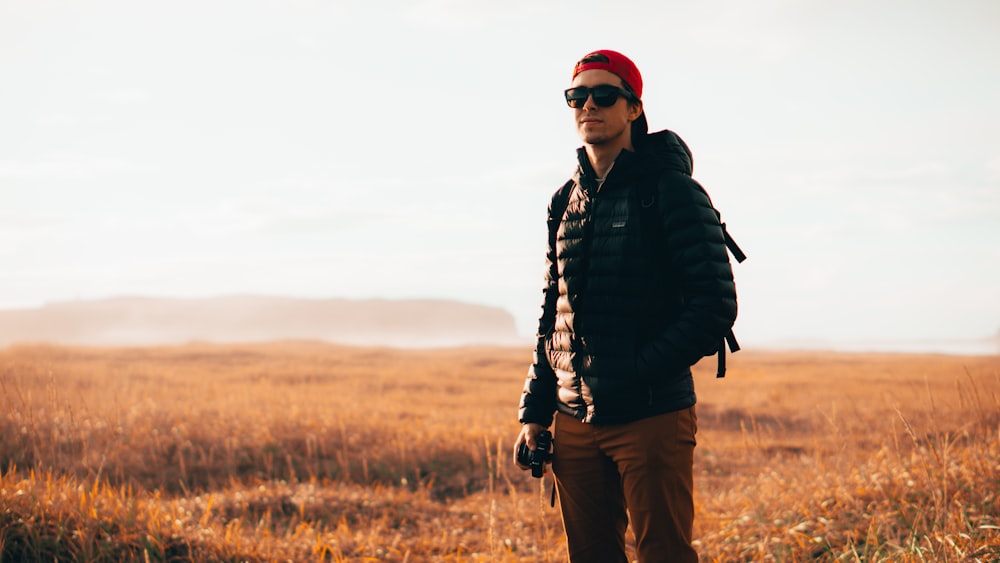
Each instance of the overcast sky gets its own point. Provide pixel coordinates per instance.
(408, 149)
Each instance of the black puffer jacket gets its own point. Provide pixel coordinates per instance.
(629, 308)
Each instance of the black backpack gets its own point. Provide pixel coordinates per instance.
(649, 222)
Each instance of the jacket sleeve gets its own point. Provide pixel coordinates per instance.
(538, 399)
(699, 265)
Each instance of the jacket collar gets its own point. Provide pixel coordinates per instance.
(658, 152)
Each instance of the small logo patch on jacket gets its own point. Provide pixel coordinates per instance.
(618, 224)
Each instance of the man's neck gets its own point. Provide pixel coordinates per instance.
(603, 156)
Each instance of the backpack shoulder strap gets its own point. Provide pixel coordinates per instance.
(560, 200)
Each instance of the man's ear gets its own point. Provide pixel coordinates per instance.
(634, 110)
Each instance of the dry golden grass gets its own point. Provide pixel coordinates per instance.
(312, 452)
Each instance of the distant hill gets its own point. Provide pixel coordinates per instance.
(150, 321)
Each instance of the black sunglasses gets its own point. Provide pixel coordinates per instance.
(605, 95)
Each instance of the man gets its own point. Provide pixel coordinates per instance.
(638, 288)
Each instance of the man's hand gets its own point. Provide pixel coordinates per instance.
(529, 432)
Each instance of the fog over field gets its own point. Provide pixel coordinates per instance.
(401, 323)
(138, 321)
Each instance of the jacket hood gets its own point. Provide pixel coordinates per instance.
(663, 150)
(666, 150)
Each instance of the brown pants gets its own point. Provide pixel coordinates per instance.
(643, 467)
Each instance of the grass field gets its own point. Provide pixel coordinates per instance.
(312, 452)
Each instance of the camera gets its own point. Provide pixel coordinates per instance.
(537, 458)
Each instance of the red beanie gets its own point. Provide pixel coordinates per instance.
(614, 62)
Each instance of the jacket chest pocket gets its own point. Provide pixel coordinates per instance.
(616, 233)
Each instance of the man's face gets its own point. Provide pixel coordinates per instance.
(598, 125)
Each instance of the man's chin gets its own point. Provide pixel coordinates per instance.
(593, 139)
